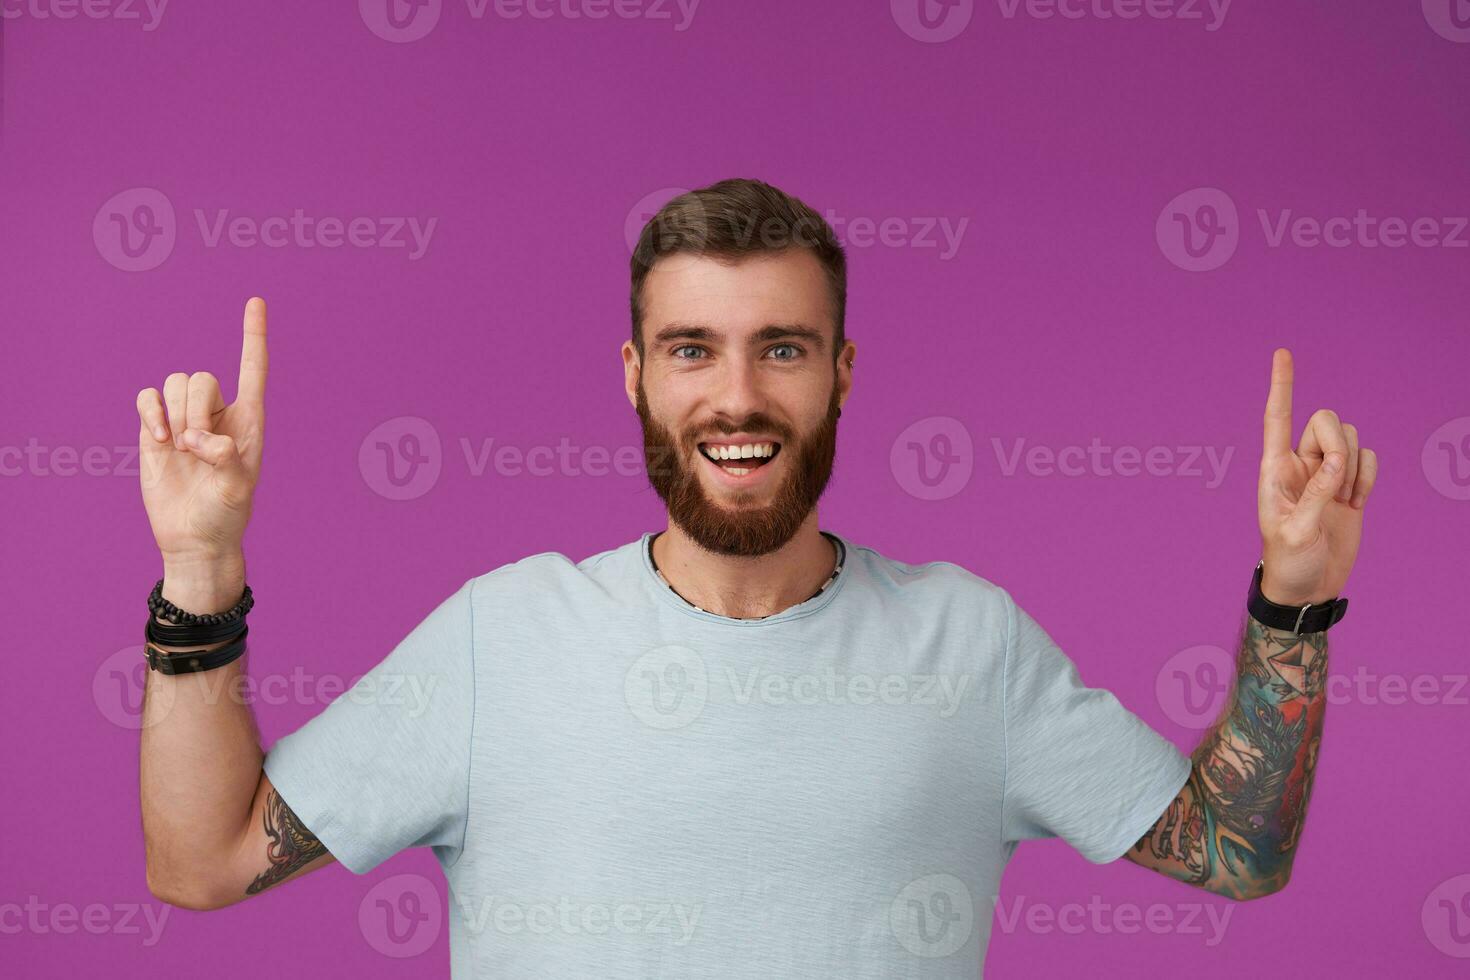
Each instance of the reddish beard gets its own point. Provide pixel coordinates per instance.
(744, 529)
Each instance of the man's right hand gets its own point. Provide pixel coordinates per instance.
(199, 459)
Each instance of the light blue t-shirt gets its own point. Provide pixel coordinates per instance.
(620, 785)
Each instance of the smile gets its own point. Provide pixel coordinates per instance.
(739, 458)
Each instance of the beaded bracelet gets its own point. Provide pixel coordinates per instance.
(160, 606)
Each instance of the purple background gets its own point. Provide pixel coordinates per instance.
(1059, 318)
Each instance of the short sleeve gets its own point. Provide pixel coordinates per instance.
(1079, 765)
(386, 765)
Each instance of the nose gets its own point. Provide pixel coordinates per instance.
(736, 392)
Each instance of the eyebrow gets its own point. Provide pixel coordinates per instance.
(766, 334)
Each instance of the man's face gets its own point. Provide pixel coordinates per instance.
(738, 363)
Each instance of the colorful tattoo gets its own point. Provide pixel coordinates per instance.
(1235, 825)
(292, 846)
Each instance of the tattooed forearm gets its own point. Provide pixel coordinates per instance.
(292, 846)
(1234, 827)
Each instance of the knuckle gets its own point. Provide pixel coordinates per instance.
(201, 378)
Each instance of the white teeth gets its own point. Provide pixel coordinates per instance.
(738, 470)
(750, 450)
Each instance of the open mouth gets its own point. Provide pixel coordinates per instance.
(740, 458)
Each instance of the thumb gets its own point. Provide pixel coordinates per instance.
(220, 452)
(1320, 490)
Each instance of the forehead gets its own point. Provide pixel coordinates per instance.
(739, 297)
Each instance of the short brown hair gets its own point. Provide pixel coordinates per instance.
(735, 218)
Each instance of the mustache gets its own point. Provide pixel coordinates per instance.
(691, 436)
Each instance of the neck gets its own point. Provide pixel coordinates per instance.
(746, 588)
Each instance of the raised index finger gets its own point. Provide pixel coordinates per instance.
(253, 359)
(1278, 405)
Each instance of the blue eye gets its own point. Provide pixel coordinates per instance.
(795, 351)
(686, 347)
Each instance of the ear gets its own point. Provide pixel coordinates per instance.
(844, 371)
(631, 369)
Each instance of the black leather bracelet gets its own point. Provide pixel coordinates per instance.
(192, 661)
(197, 635)
(1310, 618)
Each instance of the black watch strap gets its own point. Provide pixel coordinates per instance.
(1311, 618)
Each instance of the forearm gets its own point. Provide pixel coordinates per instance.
(1234, 828)
(200, 758)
